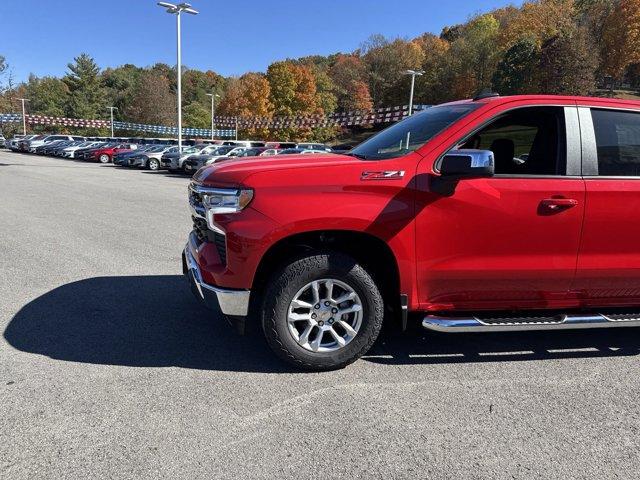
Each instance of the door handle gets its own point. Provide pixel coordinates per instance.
(556, 204)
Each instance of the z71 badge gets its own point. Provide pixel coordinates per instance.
(385, 175)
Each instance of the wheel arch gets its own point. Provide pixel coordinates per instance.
(373, 253)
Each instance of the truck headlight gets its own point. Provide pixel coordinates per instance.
(218, 201)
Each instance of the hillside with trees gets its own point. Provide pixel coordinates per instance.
(584, 47)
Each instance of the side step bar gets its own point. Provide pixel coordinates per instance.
(561, 322)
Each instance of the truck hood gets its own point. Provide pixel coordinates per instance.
(234, 172)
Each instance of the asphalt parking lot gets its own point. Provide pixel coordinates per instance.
(110, 369)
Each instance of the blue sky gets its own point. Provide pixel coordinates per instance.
(229, 36)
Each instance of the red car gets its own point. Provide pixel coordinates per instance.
(492, 214)
(105, 154)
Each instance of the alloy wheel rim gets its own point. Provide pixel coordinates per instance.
(325, 315)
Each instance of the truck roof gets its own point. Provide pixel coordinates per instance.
(547, 98)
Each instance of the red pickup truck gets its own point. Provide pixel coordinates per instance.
(491, 214)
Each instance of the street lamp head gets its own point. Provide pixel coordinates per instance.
(213, 95)
(181, 7)
(169, 6)
(414, 72)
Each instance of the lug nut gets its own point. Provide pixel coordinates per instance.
(334, 310)
(326, 304)
(316, 306)
(313, 315)
(331, 321)
(320, 323)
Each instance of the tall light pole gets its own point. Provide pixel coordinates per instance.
(177, 10)
(112, 109)
(414, 74)
(24, 117)
(213, 111)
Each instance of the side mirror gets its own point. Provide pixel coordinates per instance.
(467, 163)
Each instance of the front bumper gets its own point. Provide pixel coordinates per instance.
(171, 164)
(234, 303)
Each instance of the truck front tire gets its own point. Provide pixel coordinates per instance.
(322, 312)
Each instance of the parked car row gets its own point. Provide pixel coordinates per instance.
(157, 155)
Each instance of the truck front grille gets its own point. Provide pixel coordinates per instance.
(221, 246)
(203, 234)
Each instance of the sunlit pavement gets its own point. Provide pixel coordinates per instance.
(109, 367)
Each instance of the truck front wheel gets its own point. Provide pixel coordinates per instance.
(322, 312)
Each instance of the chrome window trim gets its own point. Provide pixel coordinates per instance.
(573, 142)
(588, 140)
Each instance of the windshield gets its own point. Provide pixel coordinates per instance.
(223, 150)
(411, 133)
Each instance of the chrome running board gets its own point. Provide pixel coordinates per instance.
(560, 322)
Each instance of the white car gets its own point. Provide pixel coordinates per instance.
(243, 143)
(3, 141)
(13, 142)
(33, 144)
(70, 152)
(301, 151)
(319, 147)
(231, 153)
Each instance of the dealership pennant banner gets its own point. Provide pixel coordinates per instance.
(230, 124)
(162, 130)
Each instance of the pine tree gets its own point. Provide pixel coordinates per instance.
(86, 90)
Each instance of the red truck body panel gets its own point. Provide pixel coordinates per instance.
(486, 246)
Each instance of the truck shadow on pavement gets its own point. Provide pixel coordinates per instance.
(418, 346)
(154, 321)
(137, 321)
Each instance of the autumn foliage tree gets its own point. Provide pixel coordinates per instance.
(246, 97)
(153, 101)
(516, 71)
(349, 75)
(386, 61)
(621, 38)
(568, 64)
(475, 56)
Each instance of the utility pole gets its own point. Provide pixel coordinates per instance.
(213, 111)
(24, 117)
(112, 109)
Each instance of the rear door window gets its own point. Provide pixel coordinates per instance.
(618, 142)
